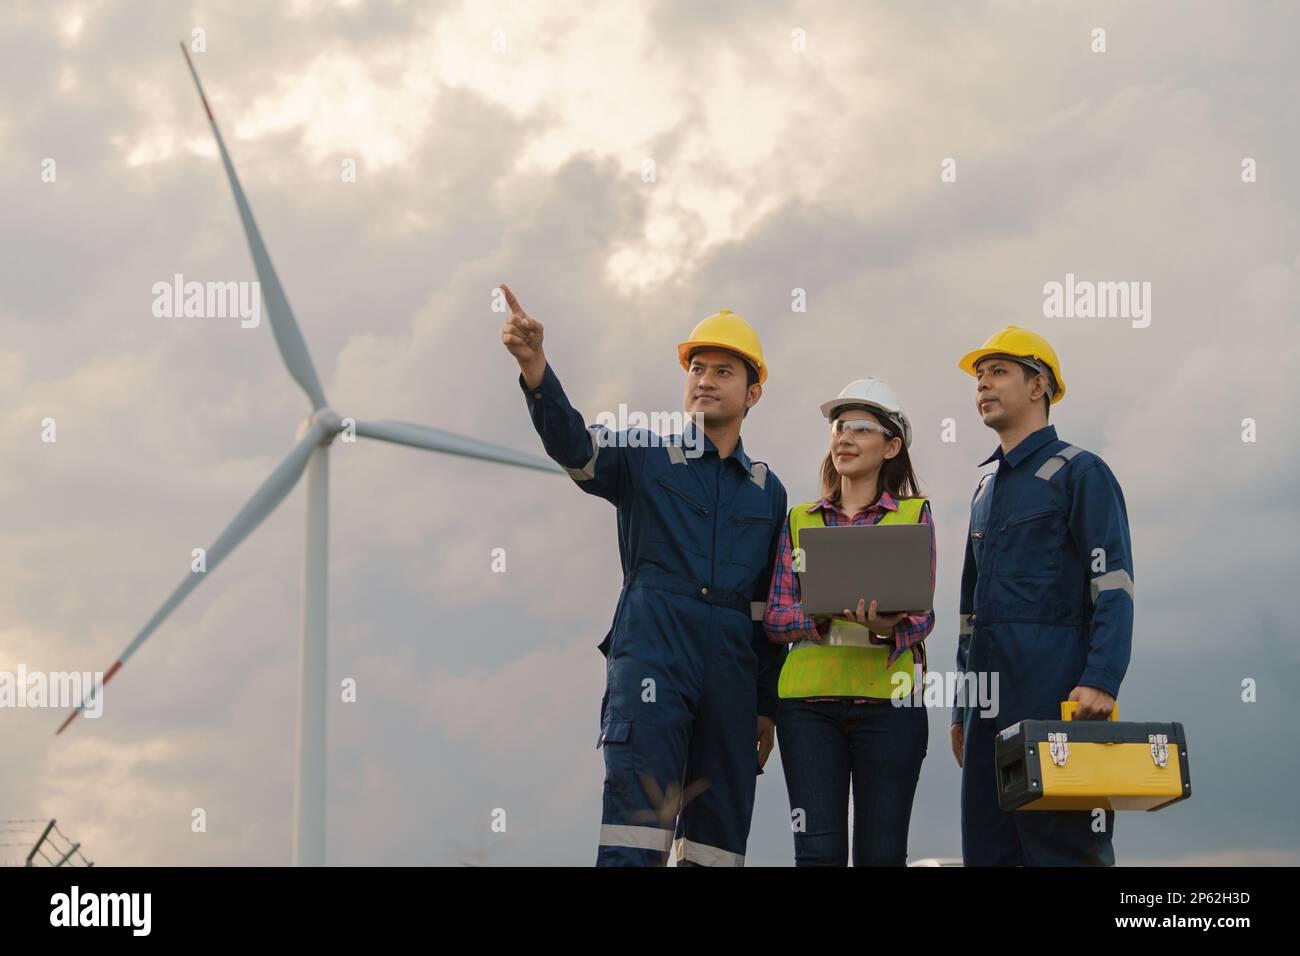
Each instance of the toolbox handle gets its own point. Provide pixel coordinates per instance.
(1068, 707)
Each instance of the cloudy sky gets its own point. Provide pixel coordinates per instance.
(498, 141)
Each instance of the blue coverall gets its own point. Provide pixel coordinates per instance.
(688, 665)
(1047, 604)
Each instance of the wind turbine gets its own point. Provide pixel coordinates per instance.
(310, 453)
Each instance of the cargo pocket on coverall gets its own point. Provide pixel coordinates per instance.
(1029, 560)
(751, 540)
(620, 767)
(1031, 544)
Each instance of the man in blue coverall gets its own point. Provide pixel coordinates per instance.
(1046, 601)
(690, 699)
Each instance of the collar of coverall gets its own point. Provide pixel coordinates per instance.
(1028, 445)
(688, 439)
(887, 501)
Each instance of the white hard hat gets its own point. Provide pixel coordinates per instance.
(873, 395)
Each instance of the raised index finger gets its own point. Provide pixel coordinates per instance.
(510, 299)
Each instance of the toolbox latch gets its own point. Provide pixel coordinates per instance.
(1159, 749)
(1059, 747)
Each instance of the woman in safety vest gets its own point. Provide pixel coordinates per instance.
(850, 691)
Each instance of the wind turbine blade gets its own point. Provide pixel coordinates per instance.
(272, 491)
(283, 325)
(434, 439)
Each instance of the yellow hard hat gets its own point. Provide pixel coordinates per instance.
(1016, 342)
(725, 330)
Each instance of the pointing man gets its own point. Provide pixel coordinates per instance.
(690, 676)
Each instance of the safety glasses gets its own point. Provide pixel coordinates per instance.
(858, 426)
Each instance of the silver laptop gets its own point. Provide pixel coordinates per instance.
(886, 563)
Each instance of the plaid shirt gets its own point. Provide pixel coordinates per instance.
(785, 621)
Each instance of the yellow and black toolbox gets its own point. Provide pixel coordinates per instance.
(1084, 764)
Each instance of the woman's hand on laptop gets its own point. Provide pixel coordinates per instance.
(883, 626)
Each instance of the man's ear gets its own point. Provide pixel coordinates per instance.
(1040, 378)
(755, 392)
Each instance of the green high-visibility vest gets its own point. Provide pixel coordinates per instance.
(844, 664)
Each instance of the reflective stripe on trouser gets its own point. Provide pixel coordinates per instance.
(643, 838)
(706, 855)
(678, 733)
(991, 836)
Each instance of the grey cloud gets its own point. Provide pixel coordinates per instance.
(1117, 168)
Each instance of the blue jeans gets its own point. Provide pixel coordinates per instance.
(824, 744)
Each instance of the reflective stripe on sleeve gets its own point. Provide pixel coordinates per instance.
(587, 471)
(1112, 581)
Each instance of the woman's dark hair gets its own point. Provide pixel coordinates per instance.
(896, 474)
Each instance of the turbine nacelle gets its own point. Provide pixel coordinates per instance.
(330, 422)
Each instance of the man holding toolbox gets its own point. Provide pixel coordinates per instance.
(1046, 601)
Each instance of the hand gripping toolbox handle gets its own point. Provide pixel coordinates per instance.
(1068, 707)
